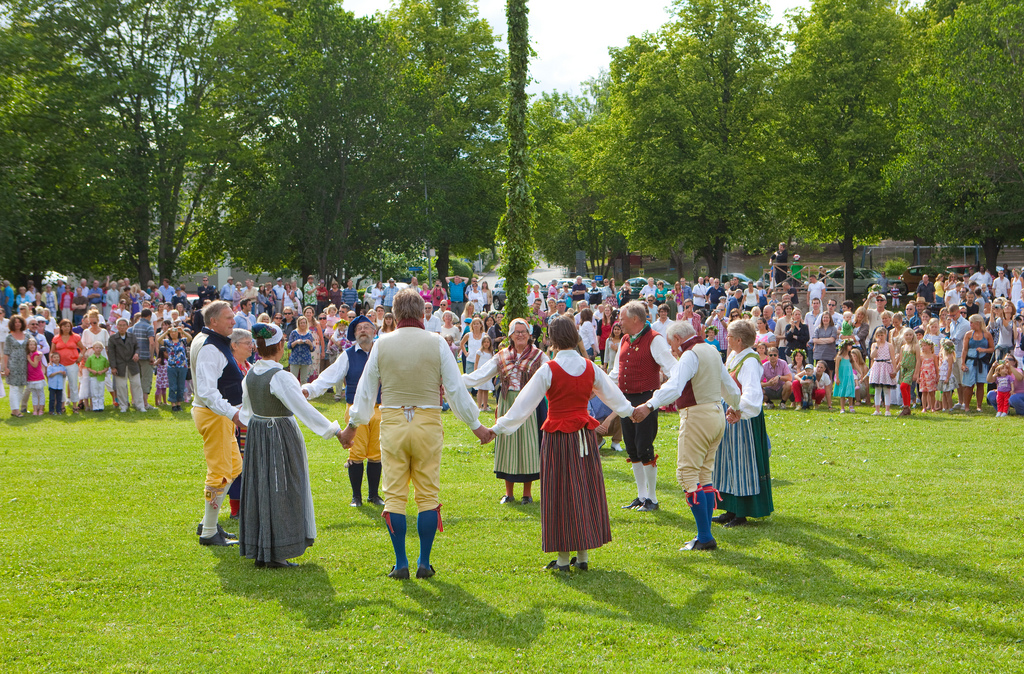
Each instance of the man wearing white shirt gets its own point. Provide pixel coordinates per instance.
(700, 294)
(662, 323)
(649, 290)
(644, 356)
(814, 290)
(112, 298)
(698, 383)
(279, 293)
(431, 322)
(1001, 284)
(410, 365)
(215, 410)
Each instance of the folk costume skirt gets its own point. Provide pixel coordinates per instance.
(276, 520)
(573, 505)
(517, 456)
(742, 473)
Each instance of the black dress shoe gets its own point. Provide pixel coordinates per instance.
(527, 500)
(724, 518)
(425, 572)
(582, 566)
(554, 566)
(505, 500)
(633, 504)
(275, 565)
(357, 502)
(399, 574)
(736, 522)
(697, 545)
(376, 500)
(217, 539)
(220, 530)
(648, 506)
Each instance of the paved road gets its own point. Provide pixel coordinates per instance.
(543, 273)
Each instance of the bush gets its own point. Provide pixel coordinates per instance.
(895, 266)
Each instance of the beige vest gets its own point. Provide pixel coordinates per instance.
(409, 361)
(707, 383)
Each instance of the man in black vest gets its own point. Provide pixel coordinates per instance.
(346, 371)
(218, 397)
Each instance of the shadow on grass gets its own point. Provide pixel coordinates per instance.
(452, 610)
(812, 579)
(305, 591)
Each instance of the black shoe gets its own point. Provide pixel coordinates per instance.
(582, 566)
(425, 572)
(724, 518)
(220, 530)
(697, 545)
(275, 565)
(648, 506)
(505, 500)
(736, 522)
(633, 504)
(399, 574)
(218, 540)
(357, 502)
(376, 500)
(233, 517)
(553, 565)
(527, 500)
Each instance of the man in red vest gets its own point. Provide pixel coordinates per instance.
(698, 383)
(644, 356)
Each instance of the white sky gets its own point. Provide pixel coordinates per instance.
(571, 37)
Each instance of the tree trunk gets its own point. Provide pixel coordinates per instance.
(443, 259)
(848, 262)
(991, 246)
(715, 255)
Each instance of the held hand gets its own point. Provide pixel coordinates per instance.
(601, 430)
(732, 416)
(136, 358)
(640, 413)
(305, 394)
(238, 422)
(484, 434)
(346, 437)
(113, 371)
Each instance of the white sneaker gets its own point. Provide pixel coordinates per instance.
(842, 411)
(958, 406)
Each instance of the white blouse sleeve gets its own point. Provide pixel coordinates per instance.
(526, 402)
(751, 396)
(332, 376)
(285, 387)
(485, 373)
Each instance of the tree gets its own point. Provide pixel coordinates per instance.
(691, 161)
(516, 230)
(962, 133)
(840, 91)
(458, 70)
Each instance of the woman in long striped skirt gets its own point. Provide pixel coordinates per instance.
(742, 473)
(573, 506)
(516, 456)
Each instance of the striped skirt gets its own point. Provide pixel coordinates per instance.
(573, 505)
(517, 456)
(735, 468)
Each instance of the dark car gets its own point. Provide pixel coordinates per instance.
(637, 283)
(498, 291)
(912, 276)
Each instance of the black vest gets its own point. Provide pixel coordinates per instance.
(356, 364)
(230, 382)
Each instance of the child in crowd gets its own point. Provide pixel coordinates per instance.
(162, 382)
(883, 371)
(36, 376)
(485, 353)
(806, 387)
(845, 387)
(822, 385)
(56, 375)
(931, 334)
(711, 337)
(846, 330)
(947, 382)
(797, 363)
(456, 350)
(1002, 375)
(96, 365)
(909, 369)
(860, 367)
(928, 377)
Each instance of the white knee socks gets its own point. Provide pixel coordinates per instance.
(564, 558)
(641, 480)
(651, 476)
(211, 513)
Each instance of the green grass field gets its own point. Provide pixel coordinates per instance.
(895, 546)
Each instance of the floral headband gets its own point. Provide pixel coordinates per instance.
(269, 333)
(800, 351)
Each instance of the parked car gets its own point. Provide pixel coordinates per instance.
(637, 283)
(729, 276)
(912, 276)
(498, 291)
(863, 279)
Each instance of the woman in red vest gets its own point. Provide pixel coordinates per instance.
(573, 506)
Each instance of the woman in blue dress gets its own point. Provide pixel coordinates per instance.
(977, 354)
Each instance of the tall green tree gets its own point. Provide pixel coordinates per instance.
(840, 91)
(458, 70)
(692, 159)
(961, 168)
(516, 229)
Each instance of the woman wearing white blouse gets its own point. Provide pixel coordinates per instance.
(742, 475)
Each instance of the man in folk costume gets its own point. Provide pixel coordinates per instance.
(217, 382)
(345, 371)
(698, 383)
(409, 366)
(644, 356)
(516, 456)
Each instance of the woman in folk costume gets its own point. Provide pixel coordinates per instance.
(573, 506)
(517, 455)
(276, 519)
(742, 475)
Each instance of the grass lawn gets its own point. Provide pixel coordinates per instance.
(895, 546)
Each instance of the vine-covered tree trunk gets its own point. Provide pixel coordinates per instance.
(516, 228)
